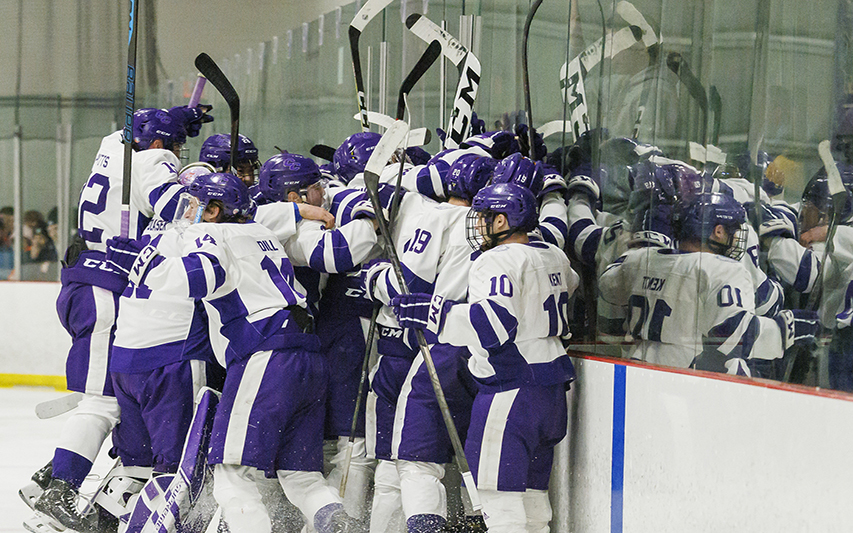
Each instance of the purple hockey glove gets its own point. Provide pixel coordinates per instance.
(130, 257)
(421, 311)
(192, 117)
(798, 327)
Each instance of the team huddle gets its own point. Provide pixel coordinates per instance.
(272, 283)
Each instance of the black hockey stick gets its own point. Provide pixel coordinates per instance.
(323, 151)
(369, 10)
(716, 105)
(525, 41)
(394, 137)
(214, 75)
(678, 65)
(377, 162)
(129, 101)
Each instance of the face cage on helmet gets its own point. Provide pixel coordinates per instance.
(733, 249)
(477, 239)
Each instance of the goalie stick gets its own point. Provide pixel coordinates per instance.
(801, 360)
(469, 76)
(369, 10)
(525, 72)
(214, 74)
(393, 138)
(129, 102)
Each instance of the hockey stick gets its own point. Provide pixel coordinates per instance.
(651, 40)
(158, 512)
(525, 73)
(469, 76)
(198, 89)
(323, 151)
(58, 406)
(369, 10)
(374, 166)
(393, 138)
(678, 65)
(572, 73)
(716, 106)
(129, 101)
(214, 74)
(837, 191)
(417, 136)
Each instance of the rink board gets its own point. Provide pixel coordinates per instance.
(653, 449)
(33, 343)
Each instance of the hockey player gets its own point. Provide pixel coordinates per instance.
(436, 257)
(216, 151)
(512, 323)
(332, 256)
(352, 155)
(710, 292)
(798, 263)
(269, 420)
(88, 300)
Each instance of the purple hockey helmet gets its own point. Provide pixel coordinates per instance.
(227, 189)
(698, 218)
(283, 173)
(150, 124)
(514, 201)
(467, 175)
(520, 170)
(351, 156)
(216, 151)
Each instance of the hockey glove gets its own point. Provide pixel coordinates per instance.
(421, 311)
(192, 117)
(777, 227)
(553, 181)
(581, 184)
(370, 273)
(539, 148)
(798, 327)
(130, 257)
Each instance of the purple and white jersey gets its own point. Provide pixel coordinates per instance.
(769, 298)
(799, 266)
(681, 304)
(517, 311)
(594, 239)
(156, 327)
(245, 279)
(553, 219)
(154, 191)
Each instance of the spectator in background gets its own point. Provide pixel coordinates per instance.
(38, 246)
(7, 215)
(53, 225)
(7, 256)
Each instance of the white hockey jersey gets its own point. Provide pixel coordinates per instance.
(245, 279)
(154, 190)
(517, 311)
(684, 305)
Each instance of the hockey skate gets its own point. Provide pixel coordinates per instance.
(58, 505)
(341, 522)
(33, 490)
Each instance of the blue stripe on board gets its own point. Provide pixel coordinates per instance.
(617, 471)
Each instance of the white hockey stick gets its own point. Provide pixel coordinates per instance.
(58, 406)
(469, 76)
(417, 136)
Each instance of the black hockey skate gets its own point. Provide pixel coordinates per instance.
(59, 502)
(40, 480)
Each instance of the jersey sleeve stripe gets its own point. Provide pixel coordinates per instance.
(807, 272)
(204, 273)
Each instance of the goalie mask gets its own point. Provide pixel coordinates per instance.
(698, 220)
(513, 201)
